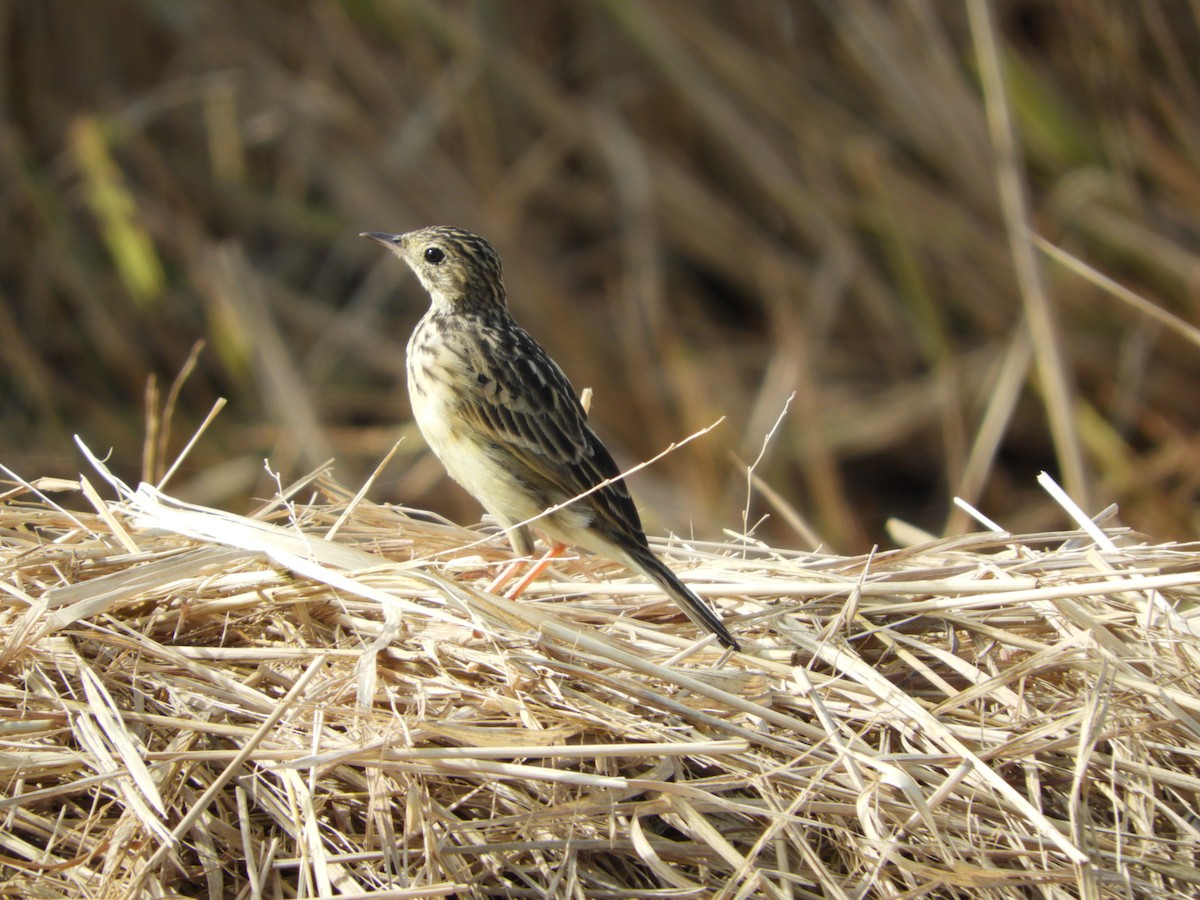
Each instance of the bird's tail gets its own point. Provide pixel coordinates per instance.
(697, 610)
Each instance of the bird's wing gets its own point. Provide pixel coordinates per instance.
(520, 399)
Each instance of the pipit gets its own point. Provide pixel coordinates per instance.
(506, 423)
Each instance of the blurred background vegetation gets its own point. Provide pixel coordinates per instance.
(703, 207)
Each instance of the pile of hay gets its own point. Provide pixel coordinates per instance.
(321, 700)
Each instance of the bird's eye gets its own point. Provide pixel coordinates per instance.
(434, 255)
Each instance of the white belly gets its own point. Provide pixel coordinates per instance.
(454, 442)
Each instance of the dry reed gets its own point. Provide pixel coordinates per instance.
(321, 700)
(702, 207)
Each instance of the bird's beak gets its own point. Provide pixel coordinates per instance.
(391, 241)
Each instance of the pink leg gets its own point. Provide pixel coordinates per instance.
(537, 569)
(505, 576)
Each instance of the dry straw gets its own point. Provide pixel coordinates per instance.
(320, 700)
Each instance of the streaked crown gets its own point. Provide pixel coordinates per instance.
(458, 268)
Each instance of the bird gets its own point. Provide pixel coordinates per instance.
(506, 423)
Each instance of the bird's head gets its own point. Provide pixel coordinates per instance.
(460, 270)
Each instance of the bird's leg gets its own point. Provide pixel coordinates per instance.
(522, 544)
(505, 576)
(536, 569)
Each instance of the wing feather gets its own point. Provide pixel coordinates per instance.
(520, 399)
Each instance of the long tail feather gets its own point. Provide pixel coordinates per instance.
(697, 610)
